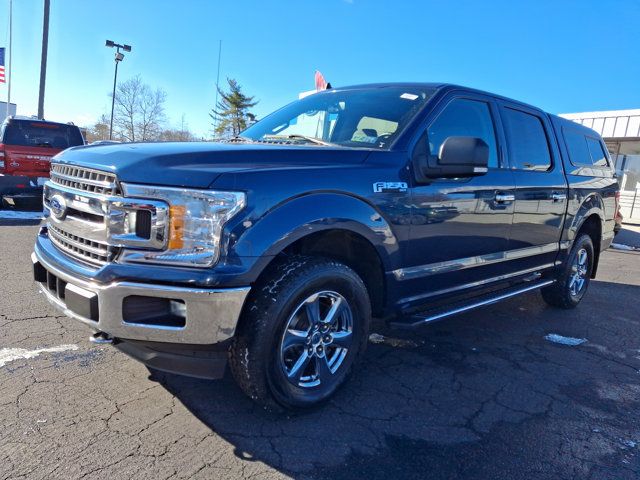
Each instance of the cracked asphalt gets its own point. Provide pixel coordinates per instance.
(481, 396)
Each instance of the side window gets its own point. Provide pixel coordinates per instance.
(464, 118)
(598, 155)
(528, 146)
(578, 149)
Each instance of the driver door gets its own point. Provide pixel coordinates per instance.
(460, 227)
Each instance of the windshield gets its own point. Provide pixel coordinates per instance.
(40, 134)
(367, 117)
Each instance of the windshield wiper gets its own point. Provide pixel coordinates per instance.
(240, 138)
(296, 136)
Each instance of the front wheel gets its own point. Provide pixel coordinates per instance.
(303, 328)
(573, 279)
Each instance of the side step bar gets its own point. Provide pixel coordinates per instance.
(428, 316)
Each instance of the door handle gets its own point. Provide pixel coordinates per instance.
(505, 197)
(558, 197)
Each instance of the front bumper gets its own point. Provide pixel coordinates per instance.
(142, 311)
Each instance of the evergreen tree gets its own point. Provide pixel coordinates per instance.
(230, 115)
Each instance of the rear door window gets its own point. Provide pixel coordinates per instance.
(41, 134)
(527, 140)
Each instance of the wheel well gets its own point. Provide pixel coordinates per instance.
(353, 250)
(592, 226)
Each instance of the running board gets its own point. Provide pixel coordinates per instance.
(428, 316)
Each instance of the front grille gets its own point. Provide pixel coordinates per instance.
(85, 179)
(94, 253)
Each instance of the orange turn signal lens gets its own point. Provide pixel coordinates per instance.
(176, 226)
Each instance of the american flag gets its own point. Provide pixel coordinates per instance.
(2, 77)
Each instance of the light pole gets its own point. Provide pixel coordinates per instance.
(43, 60)
(119, 57)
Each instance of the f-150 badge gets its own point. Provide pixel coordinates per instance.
(385, 187)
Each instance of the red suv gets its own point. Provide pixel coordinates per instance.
(26, 147)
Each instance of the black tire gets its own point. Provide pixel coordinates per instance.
(259, 361)
(564, 292)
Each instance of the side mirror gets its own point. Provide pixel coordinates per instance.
(458, 157)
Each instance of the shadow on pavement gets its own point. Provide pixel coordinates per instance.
(479, 396)
(628, 236)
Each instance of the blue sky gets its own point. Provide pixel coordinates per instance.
(561, 55)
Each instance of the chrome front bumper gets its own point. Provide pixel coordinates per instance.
(210, 315)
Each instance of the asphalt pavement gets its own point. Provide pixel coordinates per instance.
(517, 390)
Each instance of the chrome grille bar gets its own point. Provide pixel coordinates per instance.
(95, 253)
(84, 179)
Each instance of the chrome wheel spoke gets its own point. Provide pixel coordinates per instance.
(299, 367)
(313, 310)
(323, 371)
(582, 257)
(294, 338)
(342, 339)
(334, 312)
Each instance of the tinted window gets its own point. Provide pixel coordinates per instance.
(577, 146)
(528, 146)
(40, 134)
(464, 118)
(598, 156)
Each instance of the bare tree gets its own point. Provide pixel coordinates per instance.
(139, 114)
(182, 134)
(100, 131)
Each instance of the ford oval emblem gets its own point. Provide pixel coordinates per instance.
(58, 206)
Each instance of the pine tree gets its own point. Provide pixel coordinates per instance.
(230, 115)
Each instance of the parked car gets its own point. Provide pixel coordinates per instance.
(409, 202)
(26, 148)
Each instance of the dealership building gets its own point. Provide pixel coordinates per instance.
(4, 112)
(621, 132)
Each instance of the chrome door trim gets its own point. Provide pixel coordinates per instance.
(479, 283)
(419, 271)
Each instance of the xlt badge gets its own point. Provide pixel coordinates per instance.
(384, 187)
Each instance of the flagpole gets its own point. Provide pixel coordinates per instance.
(9, 72)
(215, 122)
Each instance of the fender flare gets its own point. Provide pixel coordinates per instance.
(592, 204)
(298, 217)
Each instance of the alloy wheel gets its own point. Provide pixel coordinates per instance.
(316, 339)
(579, 270)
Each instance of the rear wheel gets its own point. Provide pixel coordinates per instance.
(574, 278)
(302, 331)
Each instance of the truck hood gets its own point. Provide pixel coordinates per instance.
(198, 165)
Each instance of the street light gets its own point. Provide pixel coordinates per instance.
(119, 58)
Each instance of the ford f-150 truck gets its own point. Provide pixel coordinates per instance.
(274, 250)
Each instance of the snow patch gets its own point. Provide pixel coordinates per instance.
(11, 354)
(620, 246)
(572, 342)
(392, 342)
(14, 214)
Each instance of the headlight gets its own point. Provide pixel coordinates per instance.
(196, 219)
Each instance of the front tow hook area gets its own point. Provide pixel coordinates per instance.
(101, 338)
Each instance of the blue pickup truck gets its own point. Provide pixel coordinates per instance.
(272, 251)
